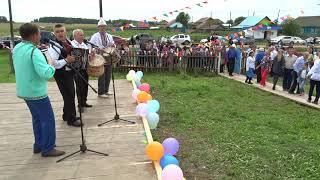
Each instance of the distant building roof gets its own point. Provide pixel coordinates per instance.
(251, 21)
(176, 25)
(308, 21)
(143, 24)
(208, 19)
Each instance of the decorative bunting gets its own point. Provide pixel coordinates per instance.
(166, 15)
(171, 13)
(199, 4)
(206, 2)
(188, 7)
(176, 11)
(155, 18)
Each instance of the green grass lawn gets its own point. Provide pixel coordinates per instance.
(5, 75)
(228, 130)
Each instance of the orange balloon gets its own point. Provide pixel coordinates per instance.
(155, 151)
(142, 97)
(149, 97)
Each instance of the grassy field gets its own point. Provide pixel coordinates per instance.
(5, 75)
(228, 130)
(92, 28)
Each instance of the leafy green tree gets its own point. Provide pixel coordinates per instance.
(183, 18)
(290, 27)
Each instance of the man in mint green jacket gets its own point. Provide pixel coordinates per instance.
(32, 73)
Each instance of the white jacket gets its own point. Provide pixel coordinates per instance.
(315, 71)
(96, 40)
(250, 63)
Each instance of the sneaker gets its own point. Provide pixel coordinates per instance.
(109, 94)
(87, 105)
(53, 153)
(103, 96)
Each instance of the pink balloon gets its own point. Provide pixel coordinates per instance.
(145, 87)
(142, 110)
(172, 172)
(135, 93)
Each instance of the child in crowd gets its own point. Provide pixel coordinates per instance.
(250, 64)
(265, 69)
(302, 78)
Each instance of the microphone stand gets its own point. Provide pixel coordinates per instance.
(83, 146)
(116, 117)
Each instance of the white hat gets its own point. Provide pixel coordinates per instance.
(233, 45)
(102, 22)
(261, 49)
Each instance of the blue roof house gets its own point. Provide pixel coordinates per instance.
(258, 27)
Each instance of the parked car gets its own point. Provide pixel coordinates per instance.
(246, 40)
(287, 40)
(313, 40)
(6, 40)
(181, 39)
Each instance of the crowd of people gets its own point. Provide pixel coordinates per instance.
(294, 67)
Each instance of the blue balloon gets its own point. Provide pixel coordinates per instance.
(153, 120)
(153, 106)
(138, 83)
(167, 160)
(139, 74)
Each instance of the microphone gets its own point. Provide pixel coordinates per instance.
(87, 42)
(53, 43)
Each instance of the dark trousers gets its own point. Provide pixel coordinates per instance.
(231, 65)
(65, 82)
(221, 68)
(258, 73)
(43, 122)
(104, 80)
(287, 79)
(313, 84)
(82, 87)
(275, 80)
(294, 83)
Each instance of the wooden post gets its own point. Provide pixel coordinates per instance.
(100, 8)
(12, 38)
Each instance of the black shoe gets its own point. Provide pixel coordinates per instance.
(76, 123)
(77, 118)
(87, 105)
(309, 100)
(250, 82)
(53, 153)
(36, 150)
(315, 102)
(273, 88)
(291, 92)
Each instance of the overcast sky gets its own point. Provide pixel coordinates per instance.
(27, 10)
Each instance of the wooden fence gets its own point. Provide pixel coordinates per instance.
(153, 62)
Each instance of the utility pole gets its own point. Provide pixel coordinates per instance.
(278, 17)
(230, 20)
(100, 7)
(12, 38)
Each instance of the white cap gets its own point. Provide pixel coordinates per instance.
(233, 45)
(102, 22)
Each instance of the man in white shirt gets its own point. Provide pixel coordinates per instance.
(64, 75)
(82, 86)
(103, 40)
(290, 59)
